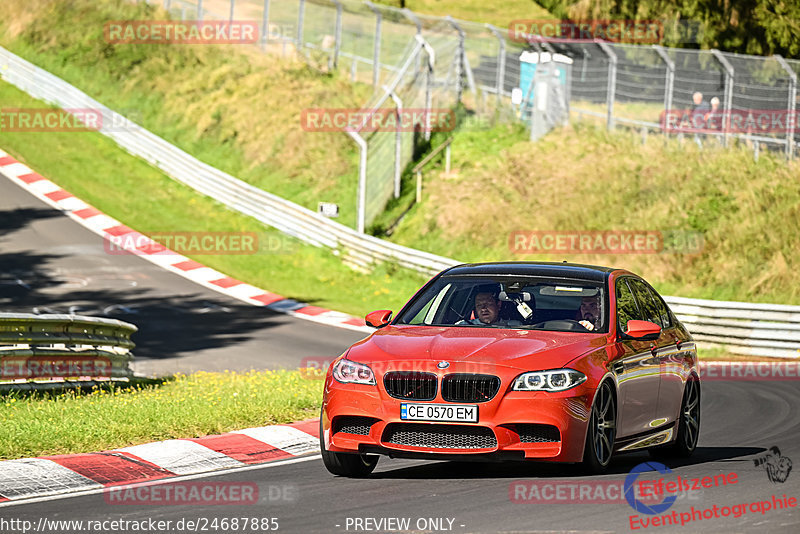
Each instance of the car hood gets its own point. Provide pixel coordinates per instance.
(521, 349)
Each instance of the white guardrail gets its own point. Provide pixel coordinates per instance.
(58, 350)
(744, 328)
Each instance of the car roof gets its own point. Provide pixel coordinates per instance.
(574, 271)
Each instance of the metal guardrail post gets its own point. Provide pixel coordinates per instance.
(729, 73)
(376, 50)
(301, 12)
(265, 24)
(398, 139)
(611, 91)
(791, 120)
(501, 61)
(670, 81)
(199, 9)
(337, 45)
(361, 198)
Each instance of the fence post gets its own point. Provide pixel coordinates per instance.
(361, 196)
(337, 45)
(461, 56)
(230, 16)
(501, 62)
(398, 139)
(413, 18)
(301, 13)
(265, 25)
(670, 81)
(729, 72)
(376, 51)
(611, 91)
(167, 4)
(791, 120)
(199, 9)
(429, 74)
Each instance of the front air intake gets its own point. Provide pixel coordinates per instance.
(469, 387)
(410, 385)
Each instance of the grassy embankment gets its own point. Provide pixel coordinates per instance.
(235, 109)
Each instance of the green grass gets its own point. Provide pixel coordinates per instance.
(585, 178)
(110, 417)
(95, 169)
(230, 106)
(498, 13)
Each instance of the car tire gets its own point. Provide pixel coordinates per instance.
(601, 433)
(688, 425)
(346, 464)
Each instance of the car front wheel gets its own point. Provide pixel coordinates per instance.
(602, 431)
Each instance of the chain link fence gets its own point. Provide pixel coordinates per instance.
(418, 61)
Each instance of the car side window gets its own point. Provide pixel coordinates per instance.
(626, 305)
(661, 306)
(644, 299)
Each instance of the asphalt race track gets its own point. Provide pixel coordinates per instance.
(52, 264)
(739, 421)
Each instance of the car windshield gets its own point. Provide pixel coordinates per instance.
(510, 302)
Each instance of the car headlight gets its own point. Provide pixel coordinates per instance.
(348, 372)
(555, 380)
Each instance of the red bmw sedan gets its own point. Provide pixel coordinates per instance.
(516, 361)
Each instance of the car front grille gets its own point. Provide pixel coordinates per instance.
(535, 433)
(410, 385)
(353, 424)
(469, 387)
(440, 436)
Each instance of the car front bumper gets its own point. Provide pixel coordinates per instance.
(524, 424)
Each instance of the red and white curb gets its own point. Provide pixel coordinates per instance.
(140, 245)
(30, 478)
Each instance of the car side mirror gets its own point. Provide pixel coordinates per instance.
(379, 319)
(642, 330)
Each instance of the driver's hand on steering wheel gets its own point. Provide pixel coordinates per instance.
(586, 324)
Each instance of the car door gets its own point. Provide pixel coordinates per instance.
(671, 361)
(637, 369)
(663, 350)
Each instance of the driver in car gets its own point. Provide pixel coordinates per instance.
(487, 309)
(588, 314)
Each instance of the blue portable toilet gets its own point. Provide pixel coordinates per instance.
(528, 62)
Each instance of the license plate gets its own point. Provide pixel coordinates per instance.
(461, 413)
